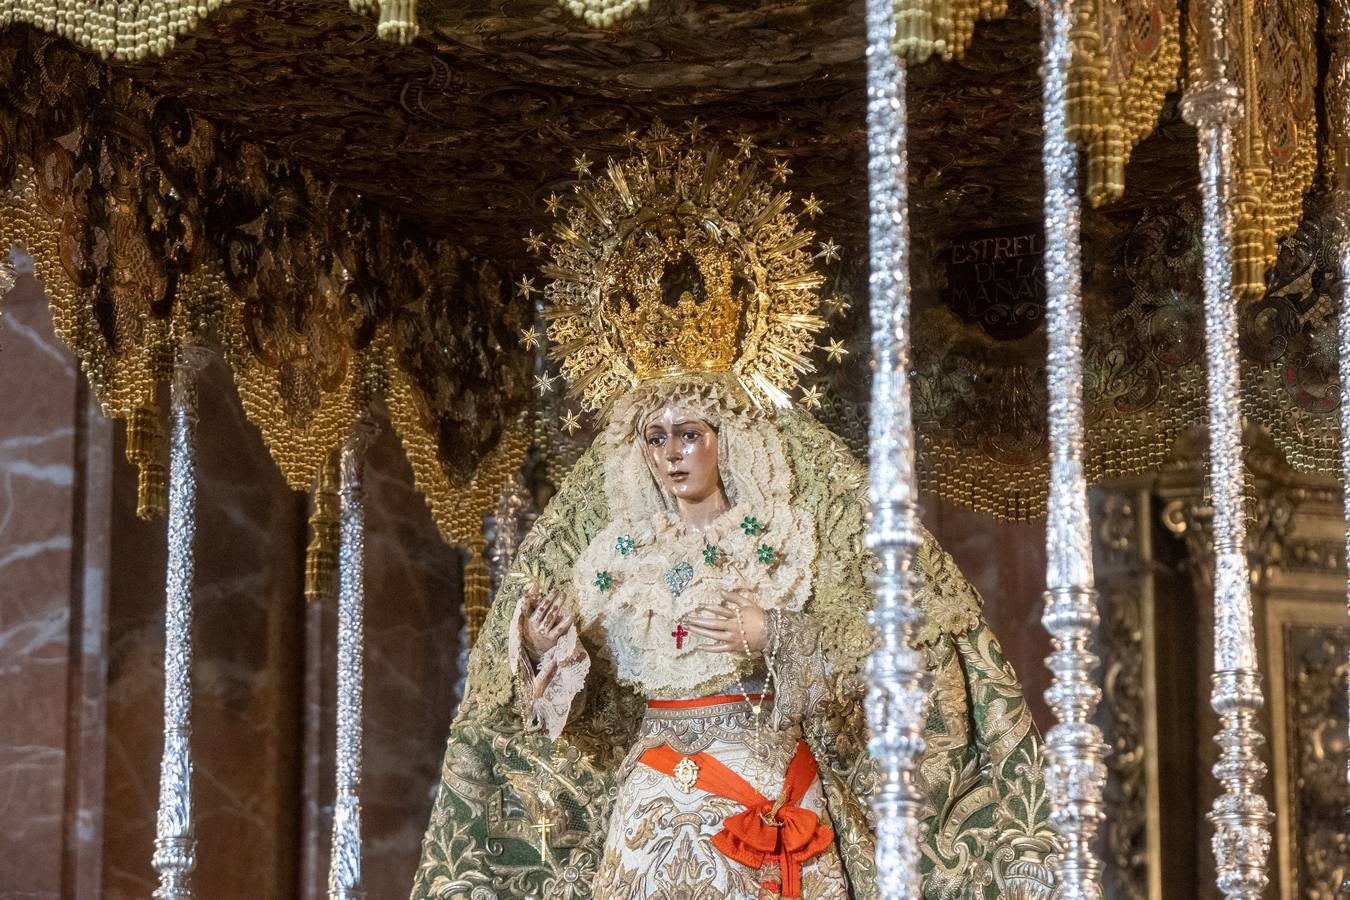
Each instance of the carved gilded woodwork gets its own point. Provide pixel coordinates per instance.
(1309, 641)
(1129, 712)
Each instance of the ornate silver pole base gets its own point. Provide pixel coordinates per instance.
(175, 845)
(1240, 814)
(896, 672)
(344, 874)
(1075, 774)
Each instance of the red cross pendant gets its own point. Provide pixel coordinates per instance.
(679, 634)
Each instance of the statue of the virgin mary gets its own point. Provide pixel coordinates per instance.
(666, 700)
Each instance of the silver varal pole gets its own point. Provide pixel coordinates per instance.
(1075, 775)
(175, 842)
(896, 673)
(344, 873)
(1240, 814)
(1338, 112)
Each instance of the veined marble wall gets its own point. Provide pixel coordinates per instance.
(54, 474)
(81, 639)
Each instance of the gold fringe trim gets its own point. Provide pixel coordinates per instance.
(458, 509)
(1114, 98)
(944, 28)
(477, 584)
(321, 555)
(398, 21)
(146, 449)
(130, 30)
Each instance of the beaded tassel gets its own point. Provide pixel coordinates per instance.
(398, 20)
(321, 554)
(145, 449)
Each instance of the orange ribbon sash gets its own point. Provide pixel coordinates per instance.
(767, 831)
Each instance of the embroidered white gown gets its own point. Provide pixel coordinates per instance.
(632, 584)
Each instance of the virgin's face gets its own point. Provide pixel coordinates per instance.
(682, 450)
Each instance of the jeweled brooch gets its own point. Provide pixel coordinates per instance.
(678, 578)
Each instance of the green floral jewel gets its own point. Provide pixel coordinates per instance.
(752, 526)
(624, 545)
(766, 554)
(711, 554)
(604, 581)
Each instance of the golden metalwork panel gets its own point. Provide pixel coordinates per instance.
(1308, 644)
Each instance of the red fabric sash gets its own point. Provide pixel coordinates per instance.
(767, 831)
(700, 702)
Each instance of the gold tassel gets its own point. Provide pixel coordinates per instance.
(477, 582)
(324, 534)
(145, 449)
(1253, 235)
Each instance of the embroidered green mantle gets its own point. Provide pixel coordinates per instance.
(507, 793)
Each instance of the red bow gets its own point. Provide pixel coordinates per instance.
(766, 832)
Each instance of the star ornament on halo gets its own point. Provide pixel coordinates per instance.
(531, 337)
(534, 242)
(525, 287)
(829, 252)
(571, 422)
(835, 350)
(837, 305)
(811, 397)
(811, 207)
(543, 383)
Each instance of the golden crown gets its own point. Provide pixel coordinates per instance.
(677, 261)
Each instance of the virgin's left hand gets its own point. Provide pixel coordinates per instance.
(727, 632)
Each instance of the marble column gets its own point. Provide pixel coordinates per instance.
(55, 470)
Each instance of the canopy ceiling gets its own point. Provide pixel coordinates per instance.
(470, 128)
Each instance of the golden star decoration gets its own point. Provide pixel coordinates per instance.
(543, 383)
(582, 165)
(571, 421)
(531, 337)
(525, 287)
(837, 305)
(534, 242)
(553, 204)
(811, 397)
(745, 144)
(829, 252)
(781, 170)
(835, 350)
(811, 207)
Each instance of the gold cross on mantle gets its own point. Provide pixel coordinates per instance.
(543, 826)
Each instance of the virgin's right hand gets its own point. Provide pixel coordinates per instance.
(546, 621)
